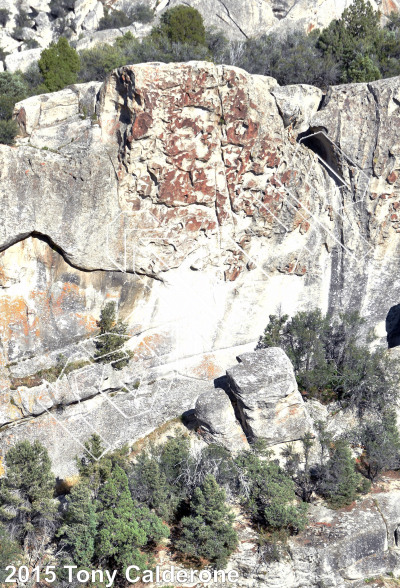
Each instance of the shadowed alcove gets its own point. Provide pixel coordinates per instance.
(393, 326)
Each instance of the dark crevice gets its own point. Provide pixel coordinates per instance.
(315, 140)
(393, 326)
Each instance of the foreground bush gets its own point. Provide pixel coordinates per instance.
(208, 532)
(8, 132)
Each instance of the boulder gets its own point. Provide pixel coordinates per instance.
(297, 104)
(269, 403)
(216, 417)
(23, 60)
(53, 120)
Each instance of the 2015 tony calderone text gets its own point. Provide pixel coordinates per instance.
(133, 574)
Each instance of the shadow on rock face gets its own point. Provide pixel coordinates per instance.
(393, 326)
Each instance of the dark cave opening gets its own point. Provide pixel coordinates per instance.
(393, 326)
(317, 141)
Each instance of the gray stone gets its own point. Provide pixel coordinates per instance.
(23, 60)
(218, 424)
(297, 104)
(269, 403)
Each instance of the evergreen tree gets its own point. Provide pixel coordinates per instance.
(353, 40)
(78, 531)
(182, 24)
(124, 528)
(381, 441)
(208, 532)
(59, 65)
(338, 480)
(95, 466)
(10, 553)
(270, 497)
(26, 493)
(112, 338)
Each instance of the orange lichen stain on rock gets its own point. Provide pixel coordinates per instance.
(69, 291)
(207, 368)
(87, 321)
(2, 468)
(148, 346)
(13, 312)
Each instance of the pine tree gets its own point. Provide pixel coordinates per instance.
(26, 493)
(339, 482)
(208, 532)
(124, 528)
(59, 65)
(10, 553)
(353, 40)
(271, 498)
(182, 24)
(381, 441)
(78, 531)
(112, 338)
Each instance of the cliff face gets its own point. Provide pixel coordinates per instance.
(200, 199)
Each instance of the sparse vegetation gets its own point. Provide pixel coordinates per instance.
(329, 361)
(112, 338)
(142, 12)
(4, 16)
(114, 19)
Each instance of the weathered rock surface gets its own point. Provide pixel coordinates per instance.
(268, 400)
(216, 417)
(180, 187)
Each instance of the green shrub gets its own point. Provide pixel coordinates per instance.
(8, 132)
(99, 61)
(59, 65)
(182, 24)
(26, 493)
(4, 16)
(158, 479)
(114, 19)
(208, 531)
(381, 442)
(338, 481)
(270, 497)
(111, 339)
(142, 13)
(291, 59)
(329, 361)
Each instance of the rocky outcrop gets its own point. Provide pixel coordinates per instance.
(216, 417)
(268, 400)
(179, 187)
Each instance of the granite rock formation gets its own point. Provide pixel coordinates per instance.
(177, 187)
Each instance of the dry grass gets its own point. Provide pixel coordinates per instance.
(50, 374)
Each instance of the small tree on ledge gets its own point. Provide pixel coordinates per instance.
(112, 338)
